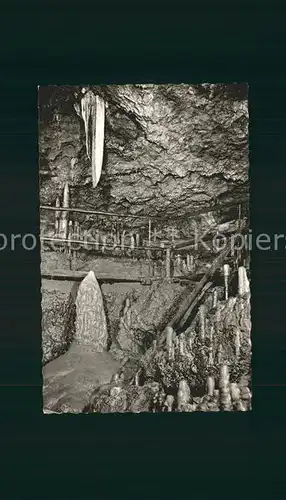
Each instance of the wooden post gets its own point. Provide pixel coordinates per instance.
(103, 239)
(137, 239)
(65, 214)
(149, 232)
(117, 235)
(70, 235)
(76, 236)
(155, 235)
(97, 240)
(168, 263)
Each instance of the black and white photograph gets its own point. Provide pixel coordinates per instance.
(145, 248)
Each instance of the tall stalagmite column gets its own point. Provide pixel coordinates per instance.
(91, 328)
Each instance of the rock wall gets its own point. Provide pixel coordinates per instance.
(169, 149)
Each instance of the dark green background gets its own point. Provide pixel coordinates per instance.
(140, 456)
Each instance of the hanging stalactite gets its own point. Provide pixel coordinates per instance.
(93, 114)
(97, 141)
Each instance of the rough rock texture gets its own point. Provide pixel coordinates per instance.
(117, 398)
(169, 149)
(91, 328)
(114, 298)
(58, 323)
(142, 318)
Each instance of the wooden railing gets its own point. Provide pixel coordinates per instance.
(140, 237)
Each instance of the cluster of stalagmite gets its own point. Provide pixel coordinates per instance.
(205, 368)
(212, 355)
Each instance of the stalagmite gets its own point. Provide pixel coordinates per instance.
(64, 220)
(182, 345)
(225, 396)
(214, 299)
(169, 340)
(169, 336)
(183, 395)
(168, 263)
(237, 344)
(224, 377)
(243, 282)
(211, 358)
(91, 328)
(169, 402)
(226, 276)
(202, 315)
(239, 406)
(234, 391)
(219, 354)
(210, 386)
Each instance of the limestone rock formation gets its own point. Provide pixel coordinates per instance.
(143, 317)
(91, 326)
(127, 398)
(58, 322)
(169, 149)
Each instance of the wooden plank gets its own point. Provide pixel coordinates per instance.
(193, 305)
(190, 297)
(155, 217)
(79, 275)
(191, 293)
